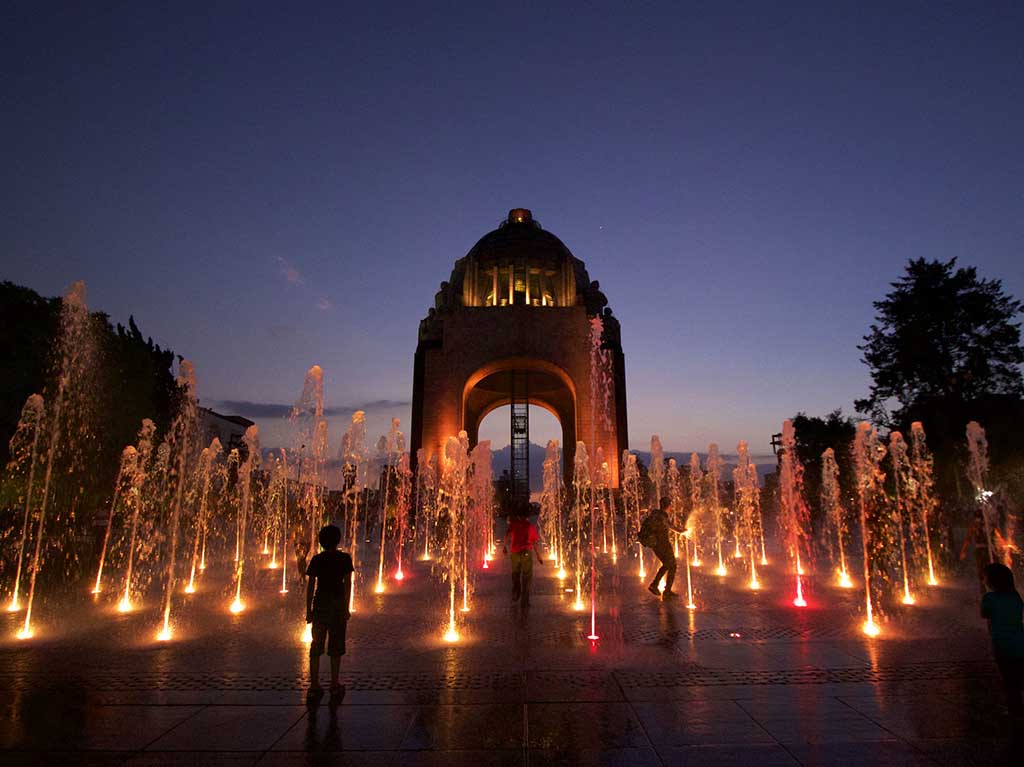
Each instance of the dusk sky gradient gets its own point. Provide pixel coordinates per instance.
(269, 185)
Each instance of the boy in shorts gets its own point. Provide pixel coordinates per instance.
(328, 589)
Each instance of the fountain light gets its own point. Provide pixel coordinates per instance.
(844, 580)
(125, 605)
(691, 606)
(800, 602)
(487, 565)
(932, 580)
(190, 589)
(755, 584)
(379, 588)
(283, 591)
(562, 574)
(908, 599)
(870, 628)
(451, 635)
(95, 590)
(237, 606)
(578, 605)
(164, 635)
(399, 575)
(307, 634)
(273, 564)
(13, 606)
(202, 565)
(721, 571)
(25, 633)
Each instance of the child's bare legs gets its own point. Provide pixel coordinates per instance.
(335, 670)
(314, 671)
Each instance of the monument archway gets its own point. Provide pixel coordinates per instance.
(513, 326)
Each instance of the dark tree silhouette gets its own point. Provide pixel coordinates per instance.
(813, 436)
(941, 335)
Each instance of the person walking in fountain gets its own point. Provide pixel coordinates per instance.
(1003, 608)
(521, 539)
(328, 590)
(654, 534)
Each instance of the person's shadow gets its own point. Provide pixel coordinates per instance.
(323, 732)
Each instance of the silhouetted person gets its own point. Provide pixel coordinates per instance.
(520, 539)
(1004, 609)
(328, 590)
(654, 535)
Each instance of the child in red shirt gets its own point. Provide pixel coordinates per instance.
(520, 538)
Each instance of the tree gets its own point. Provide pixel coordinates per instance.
(941, 335)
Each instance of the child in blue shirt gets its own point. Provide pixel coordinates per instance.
(1003, 607)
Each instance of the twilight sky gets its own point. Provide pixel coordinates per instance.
(269, 185)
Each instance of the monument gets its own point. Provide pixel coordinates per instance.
(512, 326)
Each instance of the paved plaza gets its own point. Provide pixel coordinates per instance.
(745, 679)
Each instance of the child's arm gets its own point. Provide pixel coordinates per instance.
(310, 588)
(536, 550)
(986, 606)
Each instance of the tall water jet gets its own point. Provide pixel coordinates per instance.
(426, 497)
(284, 523)
(207, 458)
(389, 445)
(713, 473)
(402, 500)
(835, 514)
(600, 398)
(454, 493)
(551, 505)
(977, 473)
(657, 471)
(793, 513)
(355, 457)
(307, 414)
(251, 440)
(746, 483)
(182, 436)
(695, 518)
(607, 506)
(124, 471)
(922, 467)
(867, 459)
(901, 479)
(25, 447)
(144, 452)
(481, 493)
(581, 502)
(75, 349)
(673, 484)
(631, 502)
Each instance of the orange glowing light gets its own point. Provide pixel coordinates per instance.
(237, 606)
(26, 633)
(562, 574)
(399, 575)
(870, 628)
(95, 590)
(13, 607)
(164, 635)
(764, 560)
(932, 581)
(691, 606)
(190, 589)
(379, 588)
(844, 580)
(720, 570)
(908, 599)
(283, 591)
(307, 634)
(202, 565)
(273, 564)
(451, 635)
(487, 565)
(755, 584)
(124, 606)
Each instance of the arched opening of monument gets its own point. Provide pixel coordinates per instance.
(496, 426)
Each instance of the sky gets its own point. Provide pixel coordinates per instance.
(266, 186)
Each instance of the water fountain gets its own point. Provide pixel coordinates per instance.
(867, 458)
(712, 502)
(694, 522)
(977, 474)
(125, 470)
(835, 513)
(747, 505)
(901, 479)
(245, 481)
(25, 448)
(387, 448)
(631, 505)
(354, 455)
(921, 469)
(581, 503)
(794, 516)
(207, 459)
(144, 451)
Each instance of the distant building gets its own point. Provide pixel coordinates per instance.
(229, 429)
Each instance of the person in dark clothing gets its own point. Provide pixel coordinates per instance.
(654, 534)
(521, 539)
(328, 590)
(1003, 608)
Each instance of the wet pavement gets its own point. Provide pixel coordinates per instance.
(744, 679)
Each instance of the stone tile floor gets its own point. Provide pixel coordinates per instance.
(745, 679)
